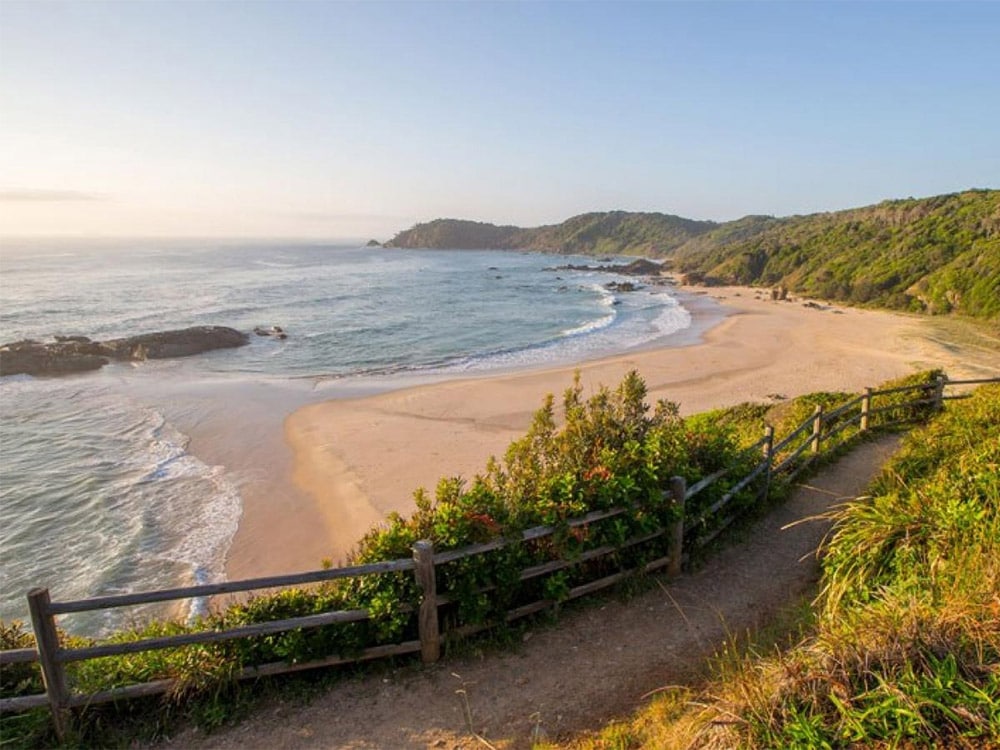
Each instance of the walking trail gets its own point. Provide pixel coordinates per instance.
(597, 663)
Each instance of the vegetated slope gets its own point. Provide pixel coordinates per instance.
(937, 255)
(904, 649)
(619, 233)
(602, 233)
(459, 234)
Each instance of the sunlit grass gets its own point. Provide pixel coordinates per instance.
(905, 649)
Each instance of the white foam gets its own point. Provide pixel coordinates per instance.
(199, 514)
(673, 317)
(590, 327)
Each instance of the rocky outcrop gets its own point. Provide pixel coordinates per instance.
(275, 332)
(68, 354)
(640, 267)
(622, 286)
(35, 358)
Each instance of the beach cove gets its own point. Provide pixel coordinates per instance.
(133, 477)
(355, 460)
(401, 367)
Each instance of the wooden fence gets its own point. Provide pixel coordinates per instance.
(784, 459)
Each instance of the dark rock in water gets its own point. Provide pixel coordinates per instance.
(34, 358)
(180, 343)
(373, 243)
(622, 286)
(640, 267)
(276, 332)
(69, 354)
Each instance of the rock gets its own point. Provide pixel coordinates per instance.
(622, 286)
(180, 343)
(77, 339)
(33, 358)
(68, 354)
(373, 243)
(640, 267)
(274, 331)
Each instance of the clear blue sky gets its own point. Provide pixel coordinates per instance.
(337, 119)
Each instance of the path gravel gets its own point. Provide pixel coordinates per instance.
(596, 664)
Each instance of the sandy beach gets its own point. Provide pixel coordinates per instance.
(352, 461)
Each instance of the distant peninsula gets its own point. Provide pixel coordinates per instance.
(936, 255)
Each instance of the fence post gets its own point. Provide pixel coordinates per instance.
(427, 619)
(53, 674)
(866, 407)
(678, 488)
(768, 458)
(817, 428)
(939, 384)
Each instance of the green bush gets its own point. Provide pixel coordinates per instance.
(604, 452)
(24, 678)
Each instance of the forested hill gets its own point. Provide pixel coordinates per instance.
(939, 254)
(605, 233)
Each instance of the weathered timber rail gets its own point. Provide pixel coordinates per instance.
(781, 460)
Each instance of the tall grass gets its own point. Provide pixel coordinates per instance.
(905, 649)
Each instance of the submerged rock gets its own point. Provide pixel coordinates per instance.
(68, 354)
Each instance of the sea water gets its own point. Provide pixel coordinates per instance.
(99, 493)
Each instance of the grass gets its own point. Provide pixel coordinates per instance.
(904, 646)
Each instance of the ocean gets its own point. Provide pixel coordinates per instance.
(100, 489)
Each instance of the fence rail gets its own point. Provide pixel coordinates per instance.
(818, 428)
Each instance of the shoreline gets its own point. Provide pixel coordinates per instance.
(355, 460)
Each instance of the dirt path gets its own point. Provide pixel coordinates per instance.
(597, 663)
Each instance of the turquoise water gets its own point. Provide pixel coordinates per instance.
(99, 492)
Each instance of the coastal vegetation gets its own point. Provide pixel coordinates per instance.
(599, 233)
(936, 255)
(590, 454)
(901, 647)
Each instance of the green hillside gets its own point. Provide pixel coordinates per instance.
(606, 233)
(937, 255)
(618, 233)
(458, 234)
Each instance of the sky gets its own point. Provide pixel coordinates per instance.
(333, 120)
